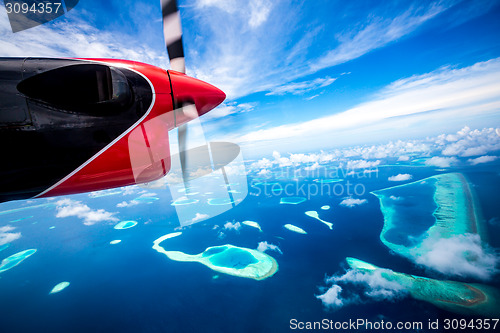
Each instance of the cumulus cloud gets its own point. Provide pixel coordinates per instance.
(467, 142)
(371, 157)
(368, 286)
(482, 159)
(6, 236)
(69, 207)
(362, 164)
(264, 173)
(127, 203)
(400, 177)
(442, 162)
(232, 226)
(199, 217)
(461, 255)
(332, 298)
(264, 246)
(350, 202)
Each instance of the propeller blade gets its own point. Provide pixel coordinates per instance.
(172, 32)
(182, 141)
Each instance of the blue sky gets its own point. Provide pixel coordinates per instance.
(306, 75)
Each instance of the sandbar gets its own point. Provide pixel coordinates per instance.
(59, 287)
(314, 215)
(294, 228)
(252, 224)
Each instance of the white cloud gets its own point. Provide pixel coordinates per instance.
(199, 217)
(347, 157)
(403, 158)
(255, 12)
(482, 159)
(73, 36)
(376, 34)
(300, 88)
(400, 177)
(374, 286)
(442, 162)
(6, 236)
(264, 246)
(377, 286)
(332, 298)
(232, 226)
(264, 172)
(461, 255)
(228, 108)
(441, 95)
(259, 12)
(233, 35)
(467, 142)
(127, 203)
(362, 164)
(350, 202)
(69, 207)
(312, 167)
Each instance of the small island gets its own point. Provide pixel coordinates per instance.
(227, 259)
(59, 287)
(314, 215)
(252, 224)
(294, 228)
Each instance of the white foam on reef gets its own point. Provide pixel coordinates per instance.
(15, 259)
(294, 228)
(59, 287)
(314, 215)
(326, 207)
(261, 266)
(116, 241)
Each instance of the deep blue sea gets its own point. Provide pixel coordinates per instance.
(129, 287)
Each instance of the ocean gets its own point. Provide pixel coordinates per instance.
(129, 287)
